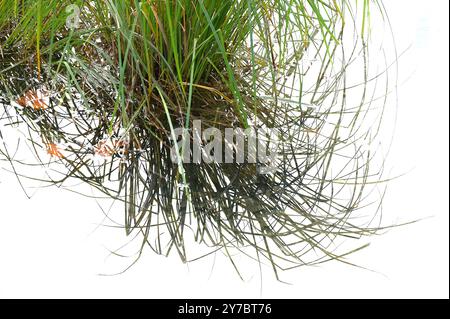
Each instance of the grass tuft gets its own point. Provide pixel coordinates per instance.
(131, 72)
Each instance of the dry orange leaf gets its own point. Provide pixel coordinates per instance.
(54, 150)
(33, 99)
(107, 148)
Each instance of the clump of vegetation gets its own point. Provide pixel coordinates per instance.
(101, 86)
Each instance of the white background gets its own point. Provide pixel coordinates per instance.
(50, 246)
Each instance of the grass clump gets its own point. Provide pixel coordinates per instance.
(117, 77)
